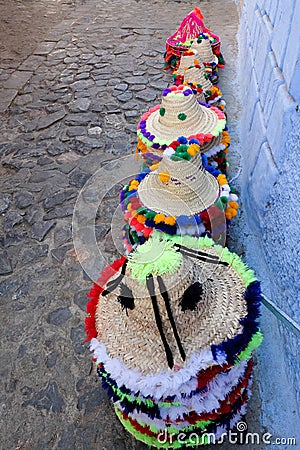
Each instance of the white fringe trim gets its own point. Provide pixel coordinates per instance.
(218, 389)
(157, 385)
(214, 150)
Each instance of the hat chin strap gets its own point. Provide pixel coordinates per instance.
(202, 256)
(165, 296)
(150, 286)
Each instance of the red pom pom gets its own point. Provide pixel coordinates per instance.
(174, 145)
(147, 232)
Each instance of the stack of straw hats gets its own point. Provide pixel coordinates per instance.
(173, 328)
(186, 197)
(173, 324)
(181, 114)
(188, 31)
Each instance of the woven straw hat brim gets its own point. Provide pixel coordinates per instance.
(190, 190)
(168, 128)
(204, 148)
(196, 75)
(215, 142)
(134, 337)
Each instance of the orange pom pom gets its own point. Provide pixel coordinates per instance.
(170, 220)
(140, 218)
(159, 218)
(234, 205)
(230, 213)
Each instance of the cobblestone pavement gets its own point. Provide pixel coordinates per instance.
(69, 108)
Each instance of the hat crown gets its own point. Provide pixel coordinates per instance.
(190, 189)
(187, 60)
(179, 106)
(203, 47)
(197, 75)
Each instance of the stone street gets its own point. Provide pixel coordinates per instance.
(68, 109)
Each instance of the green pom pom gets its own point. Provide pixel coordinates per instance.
(142, 210)
(157, 256)
(150, 215)
(181, 116)
(186, 156)
(162, 111)
(176, 157)
(182, 148)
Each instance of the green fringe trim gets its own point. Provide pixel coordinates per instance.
(138, 400)
(156, 256)
(152, 441)
(255, 342)
(231, 258)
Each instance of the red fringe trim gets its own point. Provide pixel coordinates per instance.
(96, 290)
(206, 375)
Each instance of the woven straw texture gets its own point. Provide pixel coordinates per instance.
(208, 145)
(134, 337)
(169, 127)
(196, 76)
(190, 190)
(205, 51)
(187, 61)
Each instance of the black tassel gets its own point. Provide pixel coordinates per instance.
(191, 296)
(126, 298)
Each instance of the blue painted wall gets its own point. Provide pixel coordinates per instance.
(269, 67)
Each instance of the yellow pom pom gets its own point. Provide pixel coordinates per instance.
(154, 166)
(193, 149)
(164, 176)
(170, 220)
(222, 179)
(159, 218)
(134, 183)
(129, 207)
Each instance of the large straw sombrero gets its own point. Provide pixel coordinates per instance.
(169, 303)
(180, 114)
(172, 197)
(179, 187)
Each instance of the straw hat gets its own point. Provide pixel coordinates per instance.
(187, 59)
(203, 47)
(168, 302)
(180, 114)
(197, 75)
(179, 187)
